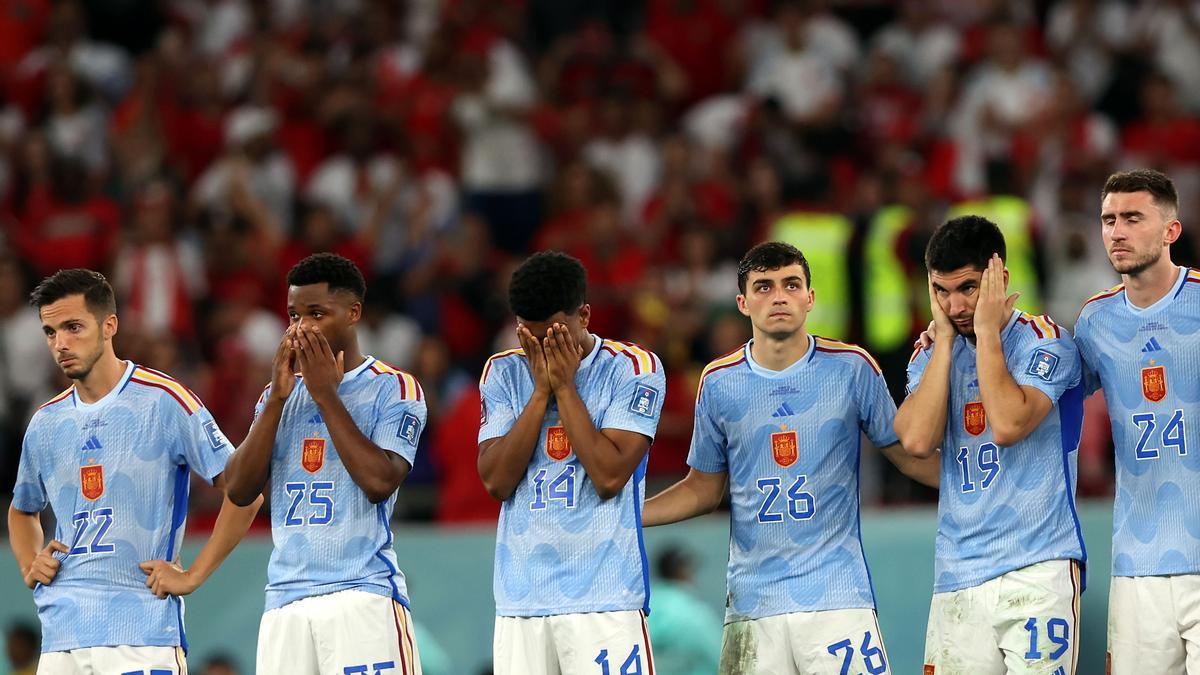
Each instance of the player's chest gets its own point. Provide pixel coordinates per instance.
(97, 456)
(1148, 361)
(782, 424)
(303, 443)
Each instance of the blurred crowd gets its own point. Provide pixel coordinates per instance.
(194, 150)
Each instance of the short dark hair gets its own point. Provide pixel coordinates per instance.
(964, 241)
(547, 282)
(92, 285)
(771, 255)
(329, 268)
(1160, 187)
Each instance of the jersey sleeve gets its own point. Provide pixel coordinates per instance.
(496, 413)
(402, 417)
(29, 493)
(876, 409)
(709, 450)
(200, 443)
(262, 402)
(916, 369)
(1088, 364)
(638, 401)
(1051, 366)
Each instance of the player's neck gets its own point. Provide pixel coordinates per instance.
(104, 378)
(779, 354)
(1151, 284)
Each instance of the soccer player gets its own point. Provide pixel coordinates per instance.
(565, 427)
(110, 457)
(999, 394)
(337, 441)
(1139, 342)
(780, 420)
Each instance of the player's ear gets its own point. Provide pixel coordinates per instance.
(354, 313)
(741, 303)
(585, 315)
(1174, 230)
(109, 326)
(1006, 278)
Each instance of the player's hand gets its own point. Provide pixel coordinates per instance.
(322, 370)
(941, 326)
(927, 337)
(562, 356)
(167, 578)
(283, 369)
(45, 566)
(992, 307)
(536, 358)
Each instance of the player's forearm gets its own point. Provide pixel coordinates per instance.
(232, 524)
(503, 461)
(686, 499)
(601, 458)
(926, 470)
(247, 470)
(369, 465)
(921, 420)
(25, 536)
(1008, 408)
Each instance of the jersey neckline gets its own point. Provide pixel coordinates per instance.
(112, 393)
(763, 371)
(1157, 305)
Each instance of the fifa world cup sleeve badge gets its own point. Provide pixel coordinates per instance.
(1154, 383)
(91, 481)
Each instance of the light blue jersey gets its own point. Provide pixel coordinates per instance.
(328, 536)
(790, 442)
(115, 474)
(1148, 361)
(1004, 508)
(560, 549)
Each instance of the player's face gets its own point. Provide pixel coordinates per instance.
(335, 313)
(76, 338)
(957, 292)
(777, 301)
(576, 323)
(1136, 232)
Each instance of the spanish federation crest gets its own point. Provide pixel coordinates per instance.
(1154, 383)
(91, 481)
(785, 448)
(312, 455)
(558, 446)
(974, 418)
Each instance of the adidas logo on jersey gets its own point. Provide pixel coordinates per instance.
(785, 410)
(93, 443)
(316, 419)
(1152, 346)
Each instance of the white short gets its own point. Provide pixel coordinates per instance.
(1025, 621)
(616, 643)
(344, 633)
(105, 660)
(805, 643)
(1154, 625)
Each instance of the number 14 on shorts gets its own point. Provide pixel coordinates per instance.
(631, 666)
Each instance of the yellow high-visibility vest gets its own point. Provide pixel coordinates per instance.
(1014, 217)
(888, 312)
(824, 239)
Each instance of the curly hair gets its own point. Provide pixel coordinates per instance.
(545, 284)
(329, 268)
(964, 241)
(771, 255)
(95, 289)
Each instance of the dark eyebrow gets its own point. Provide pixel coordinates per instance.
(939, 287)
